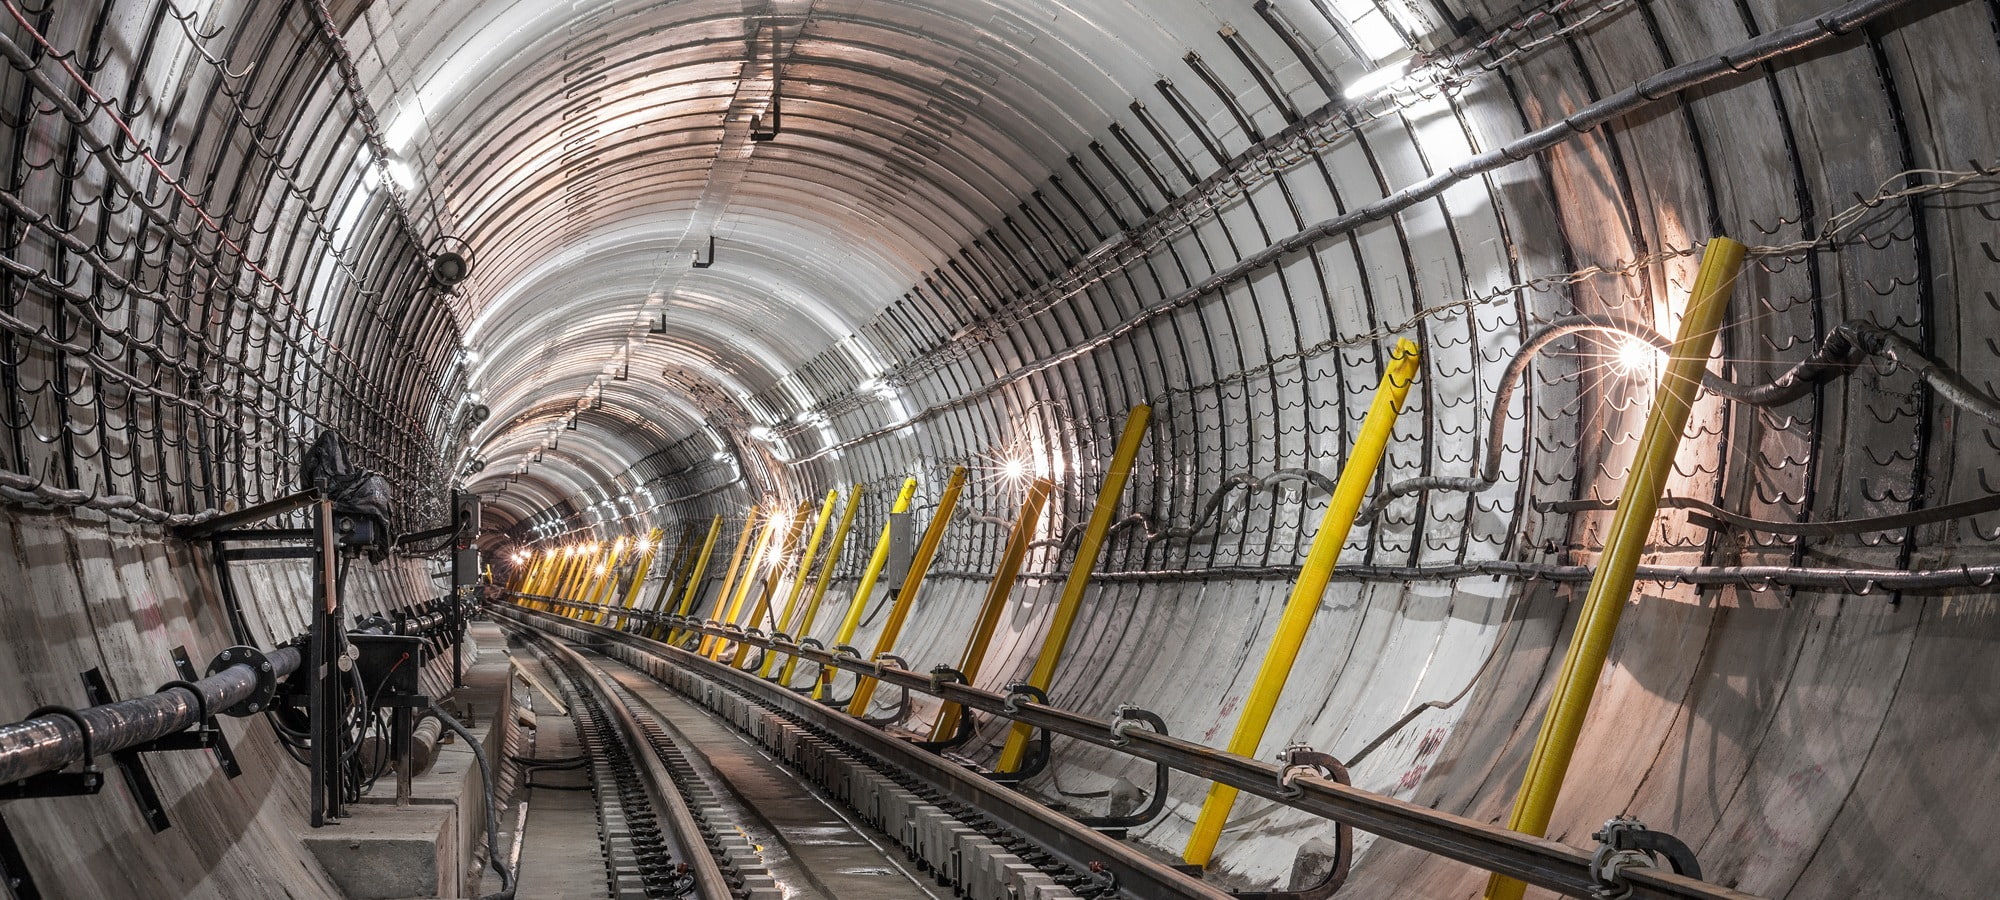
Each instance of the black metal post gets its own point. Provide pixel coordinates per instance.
(323, 687)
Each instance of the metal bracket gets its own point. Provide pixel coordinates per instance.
(1625, 842)
(942, 675)
(1127, 718)
(137, 780)
(814, 644)
(14, 875)
(217, 742)
(829, 699)
(901, 710)
(60, 784)
(1038, 753)
(1300, 759)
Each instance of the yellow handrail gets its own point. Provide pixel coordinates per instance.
(859, 601)
(1356, 475)
(1004, 577)
(811, 611)
(1624, 544)
(913, 581)
(1057, 636)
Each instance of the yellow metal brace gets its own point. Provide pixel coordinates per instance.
(1053, 642)
(1624, 544)
(859, 601)
(800, 577)
(729, 580)
(1018, 540)
(811, 611)
(1355, 478)
(648, 546)
(913, 581)
(770, 590)
(746, 577)
(692, 592)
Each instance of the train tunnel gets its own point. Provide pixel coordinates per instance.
(999, 448)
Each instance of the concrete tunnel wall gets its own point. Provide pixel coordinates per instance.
(940, 260)
(91, 592)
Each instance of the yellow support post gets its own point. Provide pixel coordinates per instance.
(563, 560)
(600, 586)
(833, 549)
(859, 601)
(799, 578)
(1356, 475)
(729, 579)
(579, 564)
(680, 561)
(580, 575)
(1624, 544)
(712, 647)
(762, 607)
(531, 573)
(558, 577)
(913, 581)
(648, 546)
(693, 589)
(1120, 471)
(997, 592)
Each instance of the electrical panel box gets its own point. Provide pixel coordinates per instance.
(391, 665)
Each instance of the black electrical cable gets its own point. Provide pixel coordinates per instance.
(493, 857)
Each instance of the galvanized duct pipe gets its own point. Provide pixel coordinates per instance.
(47, 743)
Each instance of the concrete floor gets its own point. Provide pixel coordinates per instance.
(562, 857)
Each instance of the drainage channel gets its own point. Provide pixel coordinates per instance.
(980, 840)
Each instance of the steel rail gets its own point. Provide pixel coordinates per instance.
(668, 804)
(1081, 847)
(49, 742)
(1537, 861)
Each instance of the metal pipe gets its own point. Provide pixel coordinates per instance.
(811, 611)
(47, 743)
(996, 599)
(1355, 478)
(913, 581)
(799, 578)
(859, 601)
(1087, 551)
(1604, 603)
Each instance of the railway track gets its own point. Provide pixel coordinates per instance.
(935, 829)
